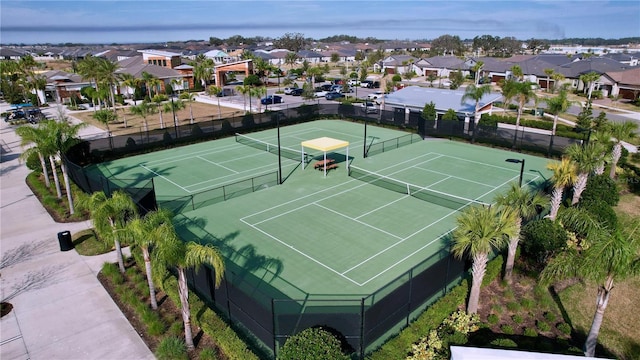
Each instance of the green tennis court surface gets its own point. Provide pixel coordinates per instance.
(339, 234)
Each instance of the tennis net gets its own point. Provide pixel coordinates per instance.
(265, 146)
(449, 201)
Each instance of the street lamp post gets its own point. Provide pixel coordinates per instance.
(521, 162)
(173, 111)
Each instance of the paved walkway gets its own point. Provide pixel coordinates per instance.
(60, 310)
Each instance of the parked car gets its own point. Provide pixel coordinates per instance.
(297, 92)
(321, 93)
(333, 95)
(370, 84)
(369, 108)
(271, 99)
(288, 90)
(375, 96)
(326, 87)
(354, 82)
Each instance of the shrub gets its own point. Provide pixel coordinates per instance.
(172, 348)
(509, 294)
(530, 332)
(33, 163)
(497, 308)
(601, 212)
(543, 326)
(564, 328)
(517, 319)
(508, 343)
(513, 306)
(312, 343)
(549, 316)
(207, 354)
(507, 329)
(527, 304)
(493, 319)
(112, 272)
(601, 187)
(542, 238)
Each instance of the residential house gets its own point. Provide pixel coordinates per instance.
(395, 64)
(623, 84)
(10, 54)
(311, 57)
(413, 99)
(600, 65)
(161, 58)
(218, 56)
(440, 66)
(138, 65)
(63, 87)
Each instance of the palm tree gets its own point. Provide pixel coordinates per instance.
(589, 80)
(189, 98)
(602, 137)
(290, 59)
(88, 69)
(557, 78)
(213, 90)
(564, 174)
(259, 92)
(36, 137)
(475, 93)
(556, 106)
(172, 251)
(107, 75)
(620, 132)
(527, 204)
(245, 90)
(481, 230)
(609, 257)
(476, 71)
(130, 82)
(110, 216)
(516, 71)
(105, 116)
(202, 69)
(150, 82)
(62, 136)
(549, 73)
(587, 158)
(144, 109)
(173, 106)
(147, 232)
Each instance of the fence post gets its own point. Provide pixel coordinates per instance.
(362, 342)
(273, 321)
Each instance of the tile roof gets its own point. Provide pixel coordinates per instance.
(626, 77)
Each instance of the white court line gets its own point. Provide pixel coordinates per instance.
(451, 176)
(161, 176)
(333, 187)
(216, 149)
(216, 164)
(302, 253)
(481, 163)
(406, 257)
(382, 207)
(358, 221)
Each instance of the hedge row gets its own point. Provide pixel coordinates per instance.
(233, 347)
(400, 346)
(561, 129)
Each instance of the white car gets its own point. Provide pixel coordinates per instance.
(288, 90)
(354, 82)
(375, 96)
(369, 108)
(321, 93)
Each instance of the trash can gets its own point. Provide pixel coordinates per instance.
(64, 238)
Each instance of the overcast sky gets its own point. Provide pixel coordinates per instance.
(119, 21)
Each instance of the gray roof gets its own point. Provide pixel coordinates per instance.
(308, 54)
(397, 60)
(416, 97)
(446, 62)
(135, 66)
(593, 64)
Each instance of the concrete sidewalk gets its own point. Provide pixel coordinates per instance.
(60, 310)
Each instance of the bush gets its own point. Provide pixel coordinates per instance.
(564, 328)
(33, 163)
(542, 238)
(172, 348)
(601, 212)
(530, 332)
(517, 319)
(513, 306)
(543, 326)
(507, 343)
(507, 329)
(549, 316)
(312, 343)
(493, 319)
(602, 188)
(527, 304)
(207, 354)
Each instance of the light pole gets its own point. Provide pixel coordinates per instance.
(518, 161)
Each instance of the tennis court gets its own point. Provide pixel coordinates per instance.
(340, 234)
